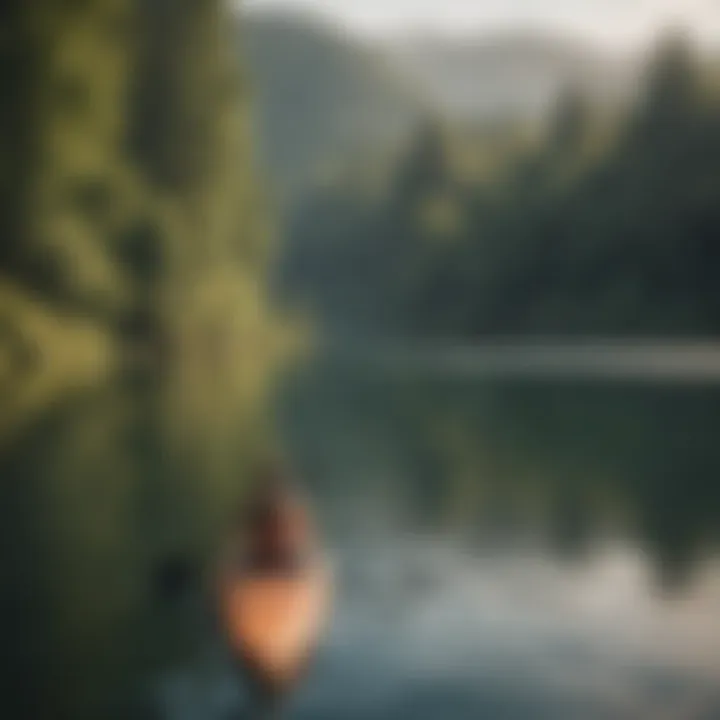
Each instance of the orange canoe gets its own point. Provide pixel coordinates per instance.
(273, 591)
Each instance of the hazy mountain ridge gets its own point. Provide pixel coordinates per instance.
(511, 73)
(321, 96)
(325, 97)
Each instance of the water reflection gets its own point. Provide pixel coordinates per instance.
(518, 635)
(564, 462)
(97, 504)
(516, 548)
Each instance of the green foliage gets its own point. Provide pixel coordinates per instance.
(128, 195)
(133, 235)
(601, 227)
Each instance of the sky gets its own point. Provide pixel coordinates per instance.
(625, 23)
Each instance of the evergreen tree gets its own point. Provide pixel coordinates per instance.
(601, 227)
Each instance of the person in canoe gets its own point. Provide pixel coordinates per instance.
(273, 589)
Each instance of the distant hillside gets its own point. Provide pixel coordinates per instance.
(512, 74)
(321, 96)
(324, 97)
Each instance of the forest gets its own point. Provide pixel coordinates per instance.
(133, 222)
(604, 221)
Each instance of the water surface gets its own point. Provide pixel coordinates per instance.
(523, 545)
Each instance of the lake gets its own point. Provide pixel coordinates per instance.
(523, 544)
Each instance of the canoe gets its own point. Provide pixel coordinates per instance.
(274, 591)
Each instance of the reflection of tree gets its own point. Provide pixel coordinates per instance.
(74, 542)
(95, 500)
(567, 462)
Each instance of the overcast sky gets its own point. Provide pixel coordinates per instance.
(615, 22)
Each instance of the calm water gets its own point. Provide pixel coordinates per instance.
(505, 547)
